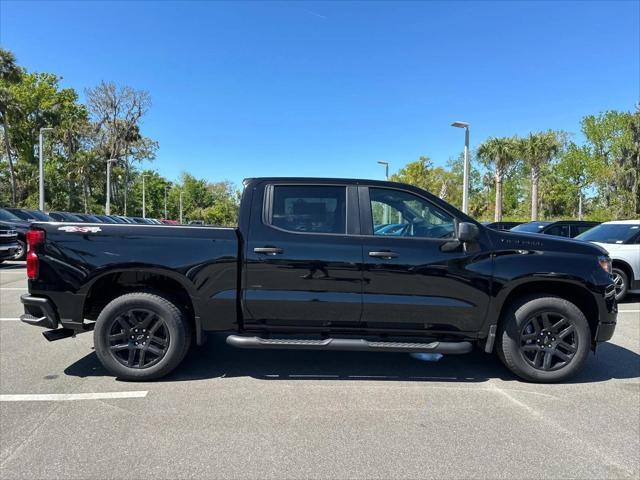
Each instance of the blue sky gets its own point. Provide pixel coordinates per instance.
(328, 88)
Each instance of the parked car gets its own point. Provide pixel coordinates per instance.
(117, 219)
(505, 226)
(304, 270)
(142, 221)
(65, 217)
(30, 215)
(168, 221)
(8, 244)
(562, 228)
(10, 221)
(105, 219)
(622, 240)
(124, 219)
(196, 222)
(88, 217)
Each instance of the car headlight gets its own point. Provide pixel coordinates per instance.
(605, 263)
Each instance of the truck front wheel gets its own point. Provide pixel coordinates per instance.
(141, 336)
(544, 339)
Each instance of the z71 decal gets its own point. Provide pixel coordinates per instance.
(75, 229)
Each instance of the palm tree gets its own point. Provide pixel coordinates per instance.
(537, 150)
(498, 154)
(10, 73)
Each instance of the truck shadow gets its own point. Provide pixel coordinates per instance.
(630, 298)
(13, 266)
(218, 360)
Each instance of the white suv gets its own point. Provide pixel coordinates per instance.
(622, 240)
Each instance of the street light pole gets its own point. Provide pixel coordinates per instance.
(181, 207)
(385, 218)
(41, 168)
(144, 205)
(107, 208)
(386, 169)
(465, 175)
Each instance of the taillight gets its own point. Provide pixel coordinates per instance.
(34, 238)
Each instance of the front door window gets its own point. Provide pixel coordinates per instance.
(402, 214)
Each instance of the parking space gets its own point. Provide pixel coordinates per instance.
(229, 413)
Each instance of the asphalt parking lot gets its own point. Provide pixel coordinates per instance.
(229, 413)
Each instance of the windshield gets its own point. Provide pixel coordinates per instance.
(8, 216)
(20, 214)
(530, 227)
(611, 233)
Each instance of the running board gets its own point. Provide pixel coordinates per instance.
(358, 344)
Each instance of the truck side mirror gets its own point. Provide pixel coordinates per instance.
(467, 232)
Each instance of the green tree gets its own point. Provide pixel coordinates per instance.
(10, 74)
(498, 155)
(612, 141)
(117, 112)
(576, 171)
(537, 150)
(446, 183)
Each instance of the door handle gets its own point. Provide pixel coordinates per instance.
(268, 250)
(385, 255)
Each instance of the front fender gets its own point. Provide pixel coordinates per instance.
(531, 271)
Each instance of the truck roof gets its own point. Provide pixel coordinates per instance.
(347, 181)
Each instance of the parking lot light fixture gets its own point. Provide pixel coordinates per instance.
(386, 177)
(465, 176)
(386, 168)
(41, 167)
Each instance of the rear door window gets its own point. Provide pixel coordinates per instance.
(309, 208)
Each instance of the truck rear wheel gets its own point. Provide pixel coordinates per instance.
(141, 336)
(544, 339)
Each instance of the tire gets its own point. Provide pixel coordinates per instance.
(544, 339)
(119, 331)
(621, 281)
(21, 254)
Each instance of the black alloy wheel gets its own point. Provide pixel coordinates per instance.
(548, 341)
(21, 252)
(544, 338)
(620, 283)
(138, 338)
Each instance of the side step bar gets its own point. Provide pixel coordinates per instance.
(357, 344)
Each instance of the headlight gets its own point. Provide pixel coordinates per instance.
(605, 263)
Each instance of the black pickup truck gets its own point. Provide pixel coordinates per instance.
(328, 264)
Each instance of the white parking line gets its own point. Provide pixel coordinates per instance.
(63, 397)
(14, 288)
(628, 311)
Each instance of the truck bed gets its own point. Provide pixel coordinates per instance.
(81, 261)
